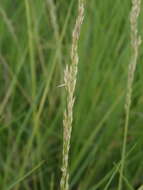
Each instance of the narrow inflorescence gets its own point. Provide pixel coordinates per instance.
(70, 77)
(135, 43)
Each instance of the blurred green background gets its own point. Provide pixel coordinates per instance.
(35, 42)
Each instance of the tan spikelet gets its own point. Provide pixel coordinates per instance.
(70, 77)
(135, 43)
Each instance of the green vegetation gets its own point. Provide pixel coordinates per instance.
(35, 45)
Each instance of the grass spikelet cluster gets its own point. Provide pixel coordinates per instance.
(70, 74)
(135, 43)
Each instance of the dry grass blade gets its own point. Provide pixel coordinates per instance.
(141, 188)
(135, 43)
(70, 83)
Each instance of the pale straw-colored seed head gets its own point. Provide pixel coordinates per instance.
(70, 77)
(135, 43)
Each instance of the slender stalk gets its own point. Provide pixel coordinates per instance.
(70, 76)
(52, 10)
(135, 43)
(31, 48)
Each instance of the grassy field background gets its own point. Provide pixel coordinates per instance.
(35, 42)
